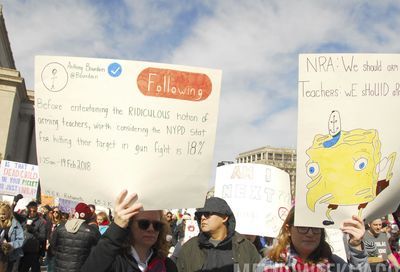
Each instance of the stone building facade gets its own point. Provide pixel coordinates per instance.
(17, 126)
(282, 158)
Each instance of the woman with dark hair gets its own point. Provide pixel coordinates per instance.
(55, 218)
(306, 249)
(135, 241)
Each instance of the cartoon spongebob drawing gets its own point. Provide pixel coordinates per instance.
(346, 167)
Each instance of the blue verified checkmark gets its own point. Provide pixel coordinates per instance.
(114, 69)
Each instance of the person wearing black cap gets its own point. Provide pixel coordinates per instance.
(218, 247)
(35, 236)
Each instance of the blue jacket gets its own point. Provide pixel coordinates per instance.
(16, 237)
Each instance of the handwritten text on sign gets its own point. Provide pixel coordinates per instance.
(106, 125)
(350, 64)
(19, 178)
(348, 153)
(245, 186)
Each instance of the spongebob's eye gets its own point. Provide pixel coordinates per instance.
(312, 169)
(360, 164)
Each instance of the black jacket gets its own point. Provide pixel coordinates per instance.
(71, 244)
(233, 253)
(35, 234)
(109, 255)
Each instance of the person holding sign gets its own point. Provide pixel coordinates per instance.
(35, 235)
(135, 241)
(306, 249)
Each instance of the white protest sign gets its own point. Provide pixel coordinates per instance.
(21, 204)
(7, 198)
(104, 125)
(348, 148)
(335, 240)
(19, 178)
(259, 196)
(66, 205)
(191, 230)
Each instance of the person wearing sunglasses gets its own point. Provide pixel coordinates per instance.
(218, 247)
(55, 217)
(306, 249)
(135, 241)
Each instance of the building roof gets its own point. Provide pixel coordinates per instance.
(268, 148)
(6, 56)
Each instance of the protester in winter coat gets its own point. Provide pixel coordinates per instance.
(55, 223)
(35, 236)
(179, 237)
(306, 249)
(171, 221)
(4, 256)
(102, 222)
(72, 241)
(217, 247)
(46, 212)
(93, 217)
(179, 232)
(11, 232)
(134, 242)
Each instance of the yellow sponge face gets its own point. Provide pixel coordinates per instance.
(345, 173)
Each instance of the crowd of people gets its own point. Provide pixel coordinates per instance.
(138, 240)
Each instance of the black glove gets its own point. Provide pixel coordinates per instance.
(18, 197)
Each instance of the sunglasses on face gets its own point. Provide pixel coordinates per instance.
(207, 214)
(304, 230)
(144, 224)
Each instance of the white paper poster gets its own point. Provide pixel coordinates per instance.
(348, 145)
(259, 196)
(21, 204)
(335, 240)
(104, 125)
(191, 230)
(19, 178)
(66, 205)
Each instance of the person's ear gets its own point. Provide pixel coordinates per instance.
(225, 218)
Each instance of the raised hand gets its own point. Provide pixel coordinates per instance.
(356, 230)
(125, 208)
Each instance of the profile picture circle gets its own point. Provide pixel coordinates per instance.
(54, 77)
(282, 213)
